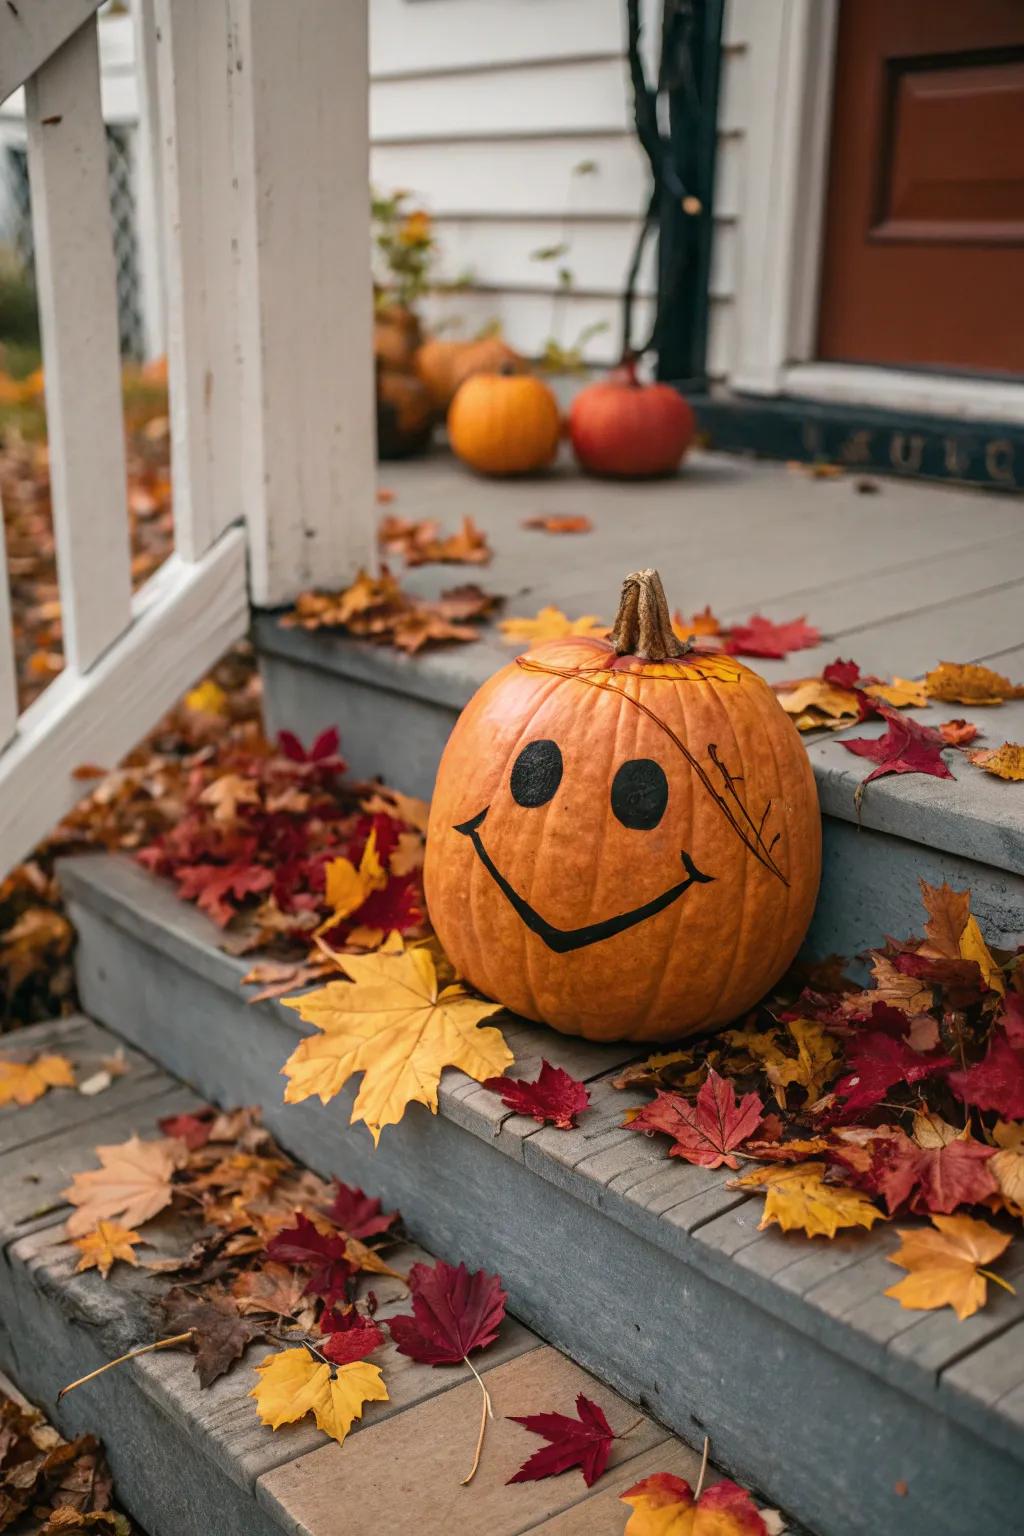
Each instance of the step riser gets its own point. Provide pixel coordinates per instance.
(169, 1488)
(695, 1353)
(869, 882)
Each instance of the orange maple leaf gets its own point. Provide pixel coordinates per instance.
(944, 1264)
(133, 1183)
(23, 1082)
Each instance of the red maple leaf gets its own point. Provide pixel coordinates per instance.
(879, 1062)
(961, 980)
(454, 1312)
(583, 1442)
(325, 746)
(193, 1130)
(210, 885)
(349, 1336)
(762, 637)
(729, 1508)
(708, 1131)
(555, 1096)
(906, 747)
(305, 1247)
(998, 1081)
(842, 674)
(357, 1214)
(930, 1178)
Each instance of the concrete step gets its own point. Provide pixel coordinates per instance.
(899, 581)
(854, 1414)
(198, 1463)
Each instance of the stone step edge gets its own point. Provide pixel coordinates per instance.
(209, 986)
(968, 817)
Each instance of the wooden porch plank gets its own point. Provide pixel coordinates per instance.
(408, 1471)
(84, 1043)
(77, 288)
(993, 1374)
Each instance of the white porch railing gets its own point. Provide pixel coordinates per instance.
(260, 118)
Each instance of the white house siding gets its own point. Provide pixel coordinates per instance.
(484, 110)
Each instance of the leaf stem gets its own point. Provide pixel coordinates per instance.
(998, 1280)
(133, 1354)
(486, 1412)
(703, 1468)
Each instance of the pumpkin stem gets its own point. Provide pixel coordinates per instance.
(643, 626)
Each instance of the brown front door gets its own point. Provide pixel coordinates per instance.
(924, 237)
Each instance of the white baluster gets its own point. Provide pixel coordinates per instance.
(77, 288)
(147, 180)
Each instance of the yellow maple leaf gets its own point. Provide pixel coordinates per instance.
(23, 1082)
(815, 1062)
(134, 1183)
(956, 683)
(293, 1384)
(1008, 1167)
(814, 704)
(665, 1505)
(798, 1199)
(703, 623)
(944, 1264)
(208, 698)
(346, 887)
(551, 624)
(109, 1242)
(394, 1023)
(901, 693)
(973, 947)
(1006, 762)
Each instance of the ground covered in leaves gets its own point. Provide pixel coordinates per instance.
(50, 1486)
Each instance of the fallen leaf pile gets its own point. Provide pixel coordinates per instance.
(759, 637)
(851, 1104)
(28, 520)
(270, 1252)
(420, 541)
(376, 608)
(123, 809)
(49, 1484)
(841, 696)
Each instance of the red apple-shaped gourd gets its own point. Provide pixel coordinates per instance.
(629, 430)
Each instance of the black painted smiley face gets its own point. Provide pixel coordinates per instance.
(639, 795)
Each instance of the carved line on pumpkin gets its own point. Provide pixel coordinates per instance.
(751, 835)
(564, 940)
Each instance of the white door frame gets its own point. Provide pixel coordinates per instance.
(792, 46)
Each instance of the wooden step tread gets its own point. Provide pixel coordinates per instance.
(404, 1460)
(649, 1272)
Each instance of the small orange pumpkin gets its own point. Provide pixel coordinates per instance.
(625, 839)
(444, 365)
(504, 424)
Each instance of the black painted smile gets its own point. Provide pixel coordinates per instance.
(562, 940)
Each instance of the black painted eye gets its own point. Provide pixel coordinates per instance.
(640, 794)
(536, 773)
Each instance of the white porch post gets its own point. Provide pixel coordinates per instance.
(300, 91)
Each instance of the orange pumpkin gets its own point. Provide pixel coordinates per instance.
(625, 839)
(444, 365)
(504, 424)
